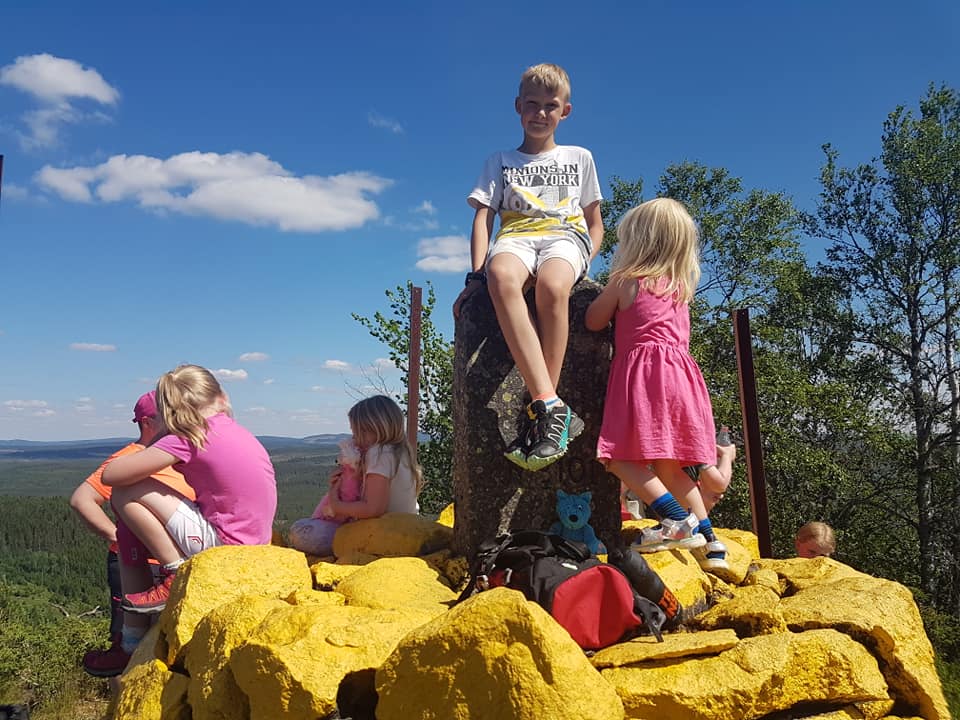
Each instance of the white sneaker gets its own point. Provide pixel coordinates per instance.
(671, 535)
(712, 556)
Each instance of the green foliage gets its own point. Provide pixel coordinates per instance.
(436, 381)
(892, 228)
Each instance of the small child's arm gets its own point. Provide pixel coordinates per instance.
(135, 467)
(591, 213)
(374, 503)
(479, 244)
(602, 309)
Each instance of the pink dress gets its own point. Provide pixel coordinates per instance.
(657, 405)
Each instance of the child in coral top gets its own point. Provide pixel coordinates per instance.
(223, 462)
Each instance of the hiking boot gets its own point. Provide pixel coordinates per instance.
(671, 535)
(712, 556)
(551, 433)
(153, 600)
(106, 663)
(516, 451)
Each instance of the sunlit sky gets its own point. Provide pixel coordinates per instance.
(226, 185)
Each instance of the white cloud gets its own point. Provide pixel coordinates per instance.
(337, 365)
(44, 413)
(242, 187)
(379, 121)
(230, 375)
(425, 208)
(258, 410)
(384, 364)
(449, 253)
(56, 83)
(12, 191)
(317, 388)
(93, 347)
(269, 381)
(253, 357)
(25, 404)
(54, 79)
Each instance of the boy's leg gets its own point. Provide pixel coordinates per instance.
(555, 279)
(507, 277)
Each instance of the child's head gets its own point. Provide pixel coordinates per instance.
(547, 77)
(378, 420)
(815, 539)
(658, 240)
(186, 396)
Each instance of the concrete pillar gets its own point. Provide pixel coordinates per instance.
(491, 494)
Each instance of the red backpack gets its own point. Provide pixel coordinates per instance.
(592, 600)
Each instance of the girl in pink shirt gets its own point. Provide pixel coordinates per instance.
(222, 461)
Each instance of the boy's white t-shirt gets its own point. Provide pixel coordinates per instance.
(540, 195)
(383, 460)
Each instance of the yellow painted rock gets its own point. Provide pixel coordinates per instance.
(759, 676)
(221, 574)
(151, 692)
(493, 657)
(446, 516)
(883, 615)
(675, 645)
(212, 691)
(754, 610)
(392, 535)
(292, 666)
(402, 582)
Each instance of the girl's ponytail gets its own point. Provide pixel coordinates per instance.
(182, 396)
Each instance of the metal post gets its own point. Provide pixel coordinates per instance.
(753, 448)
(413, 369)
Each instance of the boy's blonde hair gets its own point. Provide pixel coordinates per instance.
(659, 241)
(182, 396)
(819, 536)
(379, 420)
(550, 77)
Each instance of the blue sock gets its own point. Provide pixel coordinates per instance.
(552, 401)
(666, 506)
(707, 529)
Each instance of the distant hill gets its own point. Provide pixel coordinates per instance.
(101, 448)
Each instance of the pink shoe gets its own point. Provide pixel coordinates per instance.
(106, 663)
(150, 601)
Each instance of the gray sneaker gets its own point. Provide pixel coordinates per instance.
(671, 535)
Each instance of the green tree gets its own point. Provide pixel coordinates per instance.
(892, 225)
(436, 382)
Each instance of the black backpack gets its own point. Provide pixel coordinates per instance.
(594, 601)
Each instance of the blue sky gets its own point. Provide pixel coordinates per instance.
(225, 185)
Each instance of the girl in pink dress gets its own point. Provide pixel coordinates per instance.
(657, 418)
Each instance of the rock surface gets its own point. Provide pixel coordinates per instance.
(796, 639)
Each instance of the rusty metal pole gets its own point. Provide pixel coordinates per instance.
(753, 449)
(413, 369)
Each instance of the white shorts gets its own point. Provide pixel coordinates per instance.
(533, 251)
(190, 530)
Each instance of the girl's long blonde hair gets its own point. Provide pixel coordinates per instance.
(659, 241)
(183, 394)
(379, 421)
